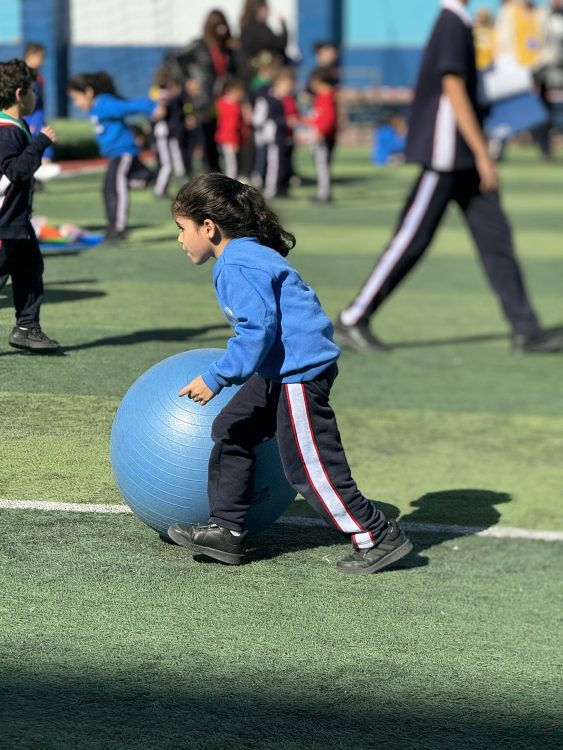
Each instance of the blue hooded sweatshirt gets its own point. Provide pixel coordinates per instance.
(281, 331)
(113, 135)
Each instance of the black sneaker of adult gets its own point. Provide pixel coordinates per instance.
(358, 338)
(394, 545)
(538, 342)
(33, 339)
(211, 540)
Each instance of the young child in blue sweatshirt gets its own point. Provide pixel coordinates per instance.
(95, 93)
(283, 354)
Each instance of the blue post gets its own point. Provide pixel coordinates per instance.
(318, 21)
(48, 22)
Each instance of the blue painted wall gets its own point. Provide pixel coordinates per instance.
(46, 22)
(132, 68)
(10, 21)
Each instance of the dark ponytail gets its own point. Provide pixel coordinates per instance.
(100, 83)
(239, 210)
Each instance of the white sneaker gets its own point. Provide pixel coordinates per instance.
(47, 172)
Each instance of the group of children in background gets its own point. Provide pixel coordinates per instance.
(253, 125)
(253, 129)
(250, 125)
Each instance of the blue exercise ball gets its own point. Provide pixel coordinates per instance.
(160, 446)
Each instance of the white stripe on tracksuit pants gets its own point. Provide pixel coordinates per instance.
(423, 212)
(311, 452)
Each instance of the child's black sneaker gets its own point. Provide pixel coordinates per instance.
(211, 540)
(33, 339)
(393, 547)
(115, 236)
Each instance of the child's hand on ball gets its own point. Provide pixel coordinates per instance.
(197, 391)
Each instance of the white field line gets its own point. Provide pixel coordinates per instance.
(498, 532)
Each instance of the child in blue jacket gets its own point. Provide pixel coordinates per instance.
(283, 354)
(95, 93)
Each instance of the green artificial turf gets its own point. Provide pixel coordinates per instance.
(111, 639)
(114, 639)
(450, 409)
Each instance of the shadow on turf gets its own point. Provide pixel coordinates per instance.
(60, 295)
(464, 508)
(142, 337)
(181, 335)
(477, 339)
(192, 701)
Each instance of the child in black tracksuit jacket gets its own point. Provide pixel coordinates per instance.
(20, 157)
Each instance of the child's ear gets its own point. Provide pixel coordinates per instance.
(211, 229)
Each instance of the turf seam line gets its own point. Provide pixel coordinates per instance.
(497, 532)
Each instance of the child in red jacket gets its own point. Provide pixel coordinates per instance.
(231, 127)
(324, 122)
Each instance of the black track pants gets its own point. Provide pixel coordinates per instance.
(22, 260)
(418, 223)
(310, 448)
(116, 191)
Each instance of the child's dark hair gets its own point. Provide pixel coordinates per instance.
(14, 75)
(239, 210)
(31, 48)
(230, 83)
(323, 44)
(100, 83)
(321, 75)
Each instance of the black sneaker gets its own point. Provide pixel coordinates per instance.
(538, 342)
(115, 236)
(33, 339)
(211, 540)
(358, 337)
(393, 547)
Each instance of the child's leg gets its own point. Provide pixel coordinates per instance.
(322, 166)
(247, 420)
(25, 265)
(187, 146)
(116, 192)
(315, 463)
(210, 152)
(259, 169)
(177, 157)
(4, 266)
(286, 167)
(272, 170)
(164, 156)
(139, 174)
(231, 160)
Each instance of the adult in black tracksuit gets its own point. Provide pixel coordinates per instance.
(20, 157)
(446, 138)
(256, 36)
(209, 60)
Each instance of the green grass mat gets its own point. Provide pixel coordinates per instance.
(110, 638)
